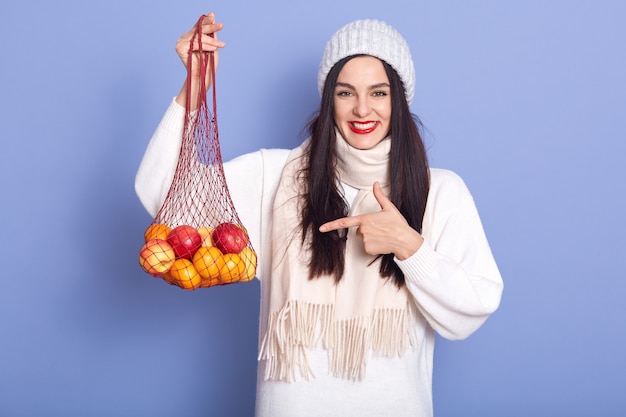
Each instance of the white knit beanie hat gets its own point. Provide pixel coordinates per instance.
(370, 37)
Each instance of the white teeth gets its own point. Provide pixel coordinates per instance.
(363, 126)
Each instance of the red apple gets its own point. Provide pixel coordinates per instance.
(185, 240)
(229, 238)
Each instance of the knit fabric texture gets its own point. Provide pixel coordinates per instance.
(370, 37)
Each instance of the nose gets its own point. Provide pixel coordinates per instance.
(362, 106)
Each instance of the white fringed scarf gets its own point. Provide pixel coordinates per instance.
(362, 313)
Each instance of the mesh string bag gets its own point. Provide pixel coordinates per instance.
(196, 240)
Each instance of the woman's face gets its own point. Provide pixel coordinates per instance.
(363, 102)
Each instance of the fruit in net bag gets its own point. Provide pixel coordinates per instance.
(202, 242)
(233, 268)
(208, 261)
(249, 258)
(230, 238)
(184, 274)
(156, 257)
(206, 233)
(157, 231)
(185, 240)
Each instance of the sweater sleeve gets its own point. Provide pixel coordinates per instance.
(157, 167)
(453, 277)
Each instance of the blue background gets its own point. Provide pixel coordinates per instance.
(525, 100)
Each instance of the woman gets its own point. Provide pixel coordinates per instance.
(364, 251)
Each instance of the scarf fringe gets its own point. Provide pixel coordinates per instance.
(293, 329)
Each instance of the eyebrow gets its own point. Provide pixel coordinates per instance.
(372, 87)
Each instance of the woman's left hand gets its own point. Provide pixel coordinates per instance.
(385, 231)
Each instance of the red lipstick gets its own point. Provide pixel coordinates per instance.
(363, 128)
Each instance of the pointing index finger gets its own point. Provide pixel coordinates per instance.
(342, 223)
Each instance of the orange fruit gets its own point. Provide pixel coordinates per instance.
(156, 257)
(249, 259)
(208, 261)
(233, 268)
(157, 231)
(184, 274)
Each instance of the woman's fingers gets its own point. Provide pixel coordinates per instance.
(208, 42)
(186, 49)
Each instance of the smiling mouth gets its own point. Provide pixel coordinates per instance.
(363, 127)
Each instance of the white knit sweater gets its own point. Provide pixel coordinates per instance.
(453, 278)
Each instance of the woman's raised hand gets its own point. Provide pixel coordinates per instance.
(208, 44)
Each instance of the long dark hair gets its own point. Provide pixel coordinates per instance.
(323, 199)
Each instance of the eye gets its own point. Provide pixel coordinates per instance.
(380, 93)
(343, 93)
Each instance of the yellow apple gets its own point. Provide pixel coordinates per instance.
(205, 233)
(249, 258)
(156, 257)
